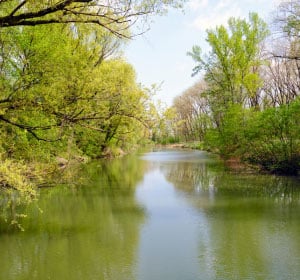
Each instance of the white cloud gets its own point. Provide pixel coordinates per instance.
(223, 4)
(195, 5)
(217, 15)
(217, 12)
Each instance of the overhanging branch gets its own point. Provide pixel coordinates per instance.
(114, 16)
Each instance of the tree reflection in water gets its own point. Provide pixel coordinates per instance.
(252, 221)
(86, 232)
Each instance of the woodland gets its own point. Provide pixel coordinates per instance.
(246, 105)
(67, 94)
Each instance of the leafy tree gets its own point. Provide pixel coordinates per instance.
(116, 16)
(121, 104)
(232, 74)
(272, 139)
(242, 86)
(68, 95)
(231, 69)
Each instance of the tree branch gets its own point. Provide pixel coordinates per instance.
(286, 57)
(17, 8)
(31, 129)
(113, 16)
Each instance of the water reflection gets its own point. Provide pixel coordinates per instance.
(165, 215)
(252, 222)
(87, 232)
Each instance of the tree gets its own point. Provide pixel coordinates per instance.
(286, 30)
(88, 92)
(281, 75)
(192, 112)
(252, 94)
(271, 139)
(116, 16)
(61, 96)
(120, 106)
(287, 18)
(232, 67)
(281, 81)
(27, 101)
(232, 74)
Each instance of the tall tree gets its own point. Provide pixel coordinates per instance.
(231, 68)
(74, 87)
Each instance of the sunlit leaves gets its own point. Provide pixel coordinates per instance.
(232, 65)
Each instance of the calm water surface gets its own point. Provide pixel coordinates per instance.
(163, 215)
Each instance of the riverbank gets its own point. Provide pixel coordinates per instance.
(233, 164)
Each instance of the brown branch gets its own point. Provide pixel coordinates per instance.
(286, 57)
(17, 20)
(17, 8)
(112, 17)
(92, 127)
(57, 21)
(31, 129)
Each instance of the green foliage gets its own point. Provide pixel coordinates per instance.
(231, 68)
(272, 139)
(15, 190)
(242, 126)
(71, 93)
(269, 138)
(67, 96)
(230, 136)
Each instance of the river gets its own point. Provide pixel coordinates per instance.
(160, 215)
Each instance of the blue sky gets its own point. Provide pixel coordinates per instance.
(159, 55)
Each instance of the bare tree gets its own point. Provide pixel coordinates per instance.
(281, 81)
(193, 111)
(282, 74)
(286, 30)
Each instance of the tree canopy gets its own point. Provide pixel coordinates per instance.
(115, 16)
(248, 109)
(64, 98)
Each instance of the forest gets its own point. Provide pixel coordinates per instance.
(246, 105)
(68, 95)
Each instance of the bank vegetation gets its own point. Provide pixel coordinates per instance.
(67, 94)
(246, 104)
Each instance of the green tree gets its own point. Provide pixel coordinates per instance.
(81, 99)
(231, 71)
(231, 68)
(272, 139)
(116, 17)
(121, 105)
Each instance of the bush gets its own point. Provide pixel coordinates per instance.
(272, 139)
(16, 190)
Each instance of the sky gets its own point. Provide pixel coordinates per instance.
(160, 55)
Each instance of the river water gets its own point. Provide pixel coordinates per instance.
(161, 215)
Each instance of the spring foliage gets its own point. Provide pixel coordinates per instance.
(246, 106)
(64, 98)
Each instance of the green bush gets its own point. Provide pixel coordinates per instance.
(16, 190)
